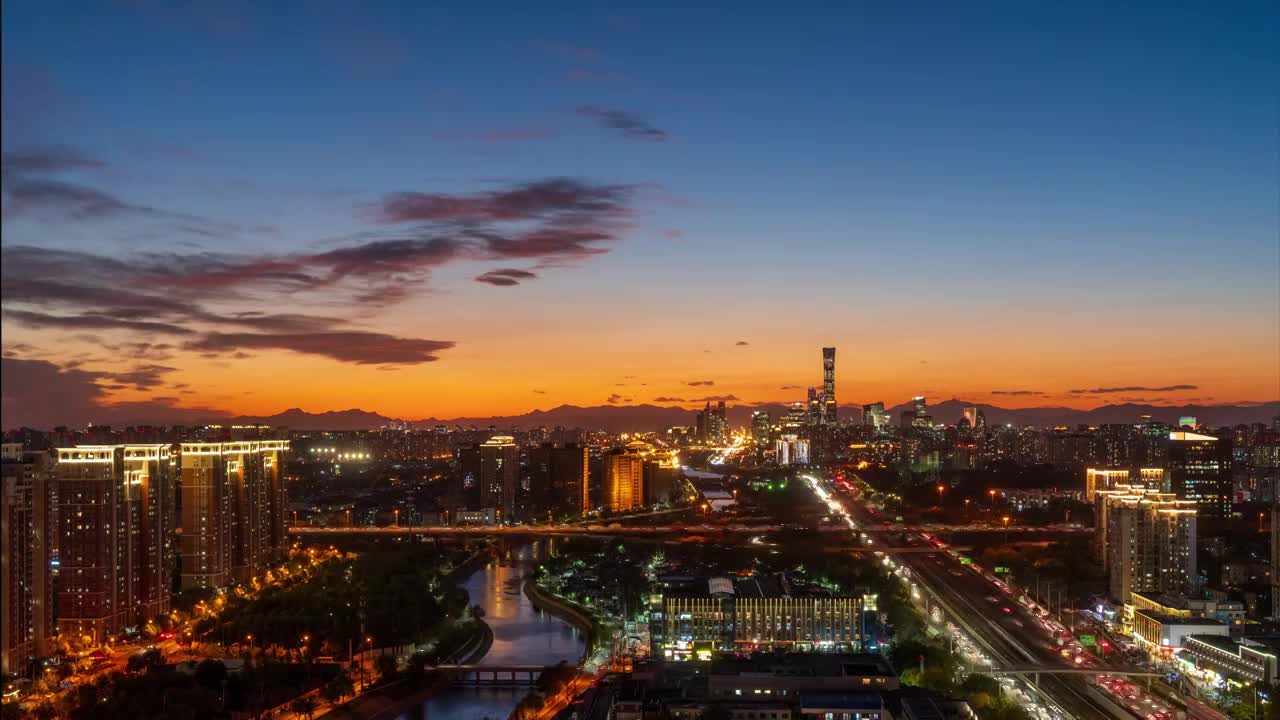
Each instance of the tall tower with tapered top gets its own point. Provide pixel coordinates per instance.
(829, 386)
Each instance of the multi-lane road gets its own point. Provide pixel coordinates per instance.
(1011, 631)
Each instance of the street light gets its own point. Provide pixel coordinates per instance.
(992, 493)
(940, 488)
(397, 511)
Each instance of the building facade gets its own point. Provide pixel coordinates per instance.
(499, 475)
(234, 510)
(1200, 470)
(1147, 541)
(624, 479)
(28, 532)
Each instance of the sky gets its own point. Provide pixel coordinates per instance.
(464, 209)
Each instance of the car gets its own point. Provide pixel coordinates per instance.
(1006, 610)
(165, 635)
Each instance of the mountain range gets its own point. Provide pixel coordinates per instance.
(622, 418)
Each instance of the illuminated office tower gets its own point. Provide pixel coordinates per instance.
(27, 517)
(815, 406)
(829, 386)
(624, 479)
(499, 473)
(873, 415)
(760, 427)
(115, 519)
(795, 417)
(1200, 470)
(791, 450)
(234, 510)
(971, 416)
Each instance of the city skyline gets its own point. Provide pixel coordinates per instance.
(254, 210)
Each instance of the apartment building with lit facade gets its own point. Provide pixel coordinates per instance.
(624, 477)
(499, 474)
(28, 534)
(115, 539)
(1096, 479)
(1200, 469)
(693, 618)
(1147, 541)
(234, 505)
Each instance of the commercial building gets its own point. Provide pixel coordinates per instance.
(1230, 612)
(1167, 633)
(1147, 541)
(693, 618)
(1096, 479)
(624, 478)
(1246, 661)
(760, 427)
(27, 532)
(829, 413)
(970, 416)
(115, 537)
(766, 677)
(1200, 470)
(234, 510)
(873, 415)
(499, 474)
(560, 477)
(791, 450)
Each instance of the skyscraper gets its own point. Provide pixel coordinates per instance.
(499, 473)
(971, 415)
(791, 450)
(559, 477)
(624, 479)
(1200, 470)
(760, 427)
(814, 401)
(27, 517)
(829, 415)
(873, 415)
(1275, 560)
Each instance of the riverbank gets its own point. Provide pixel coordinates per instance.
(570, 612)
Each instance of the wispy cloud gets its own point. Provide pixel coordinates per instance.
(699, 383)
(505, 277)
(1017, 393)
(1134, 388)
(630, 125)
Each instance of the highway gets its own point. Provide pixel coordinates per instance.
(1010, 633)
(618, 529)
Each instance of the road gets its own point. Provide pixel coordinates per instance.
(615, 529)
(1011, 633)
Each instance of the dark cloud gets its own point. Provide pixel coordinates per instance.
(715, 398)
(699, 383)
(1017, 393)
(628, 124)
(791, 387)
(56, 198)
(92, 322)
(742, 343)
(142, 377)
(615, 398)
(1135, 388)
(362, 348)
(669, 399)
(40, 394)
(539, 392)
(505, 277)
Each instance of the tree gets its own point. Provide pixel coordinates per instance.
(387, 668)
(304, 706)
(211, 674)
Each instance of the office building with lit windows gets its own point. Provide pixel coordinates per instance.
(1096, 479)
(234, 510)
(693, 618)
(760, 427)
(27, 523)
(1200, 470)
(829, 414)
(499, 474)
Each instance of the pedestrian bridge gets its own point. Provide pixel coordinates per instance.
(493, 675)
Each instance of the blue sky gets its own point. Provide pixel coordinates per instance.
(881, 161)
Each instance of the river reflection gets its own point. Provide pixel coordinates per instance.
(521, 635)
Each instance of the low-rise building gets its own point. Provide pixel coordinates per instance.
(786, 677)
(1246, 661)
(1159, 632)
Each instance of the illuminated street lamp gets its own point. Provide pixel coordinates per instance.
(992, 493)
(940, 489)
(397, 511)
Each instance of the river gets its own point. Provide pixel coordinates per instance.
(521, 635)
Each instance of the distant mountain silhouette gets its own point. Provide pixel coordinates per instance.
(622, 418)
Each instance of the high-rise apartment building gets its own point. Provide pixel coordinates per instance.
(1275, 560)
(559, 477)
(234, 510)
(28, 535)
(624, 478)
(1148, 541)
(791, 450)
(115, 537)
(829, 415)
(1096, 479)
(499, 474)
